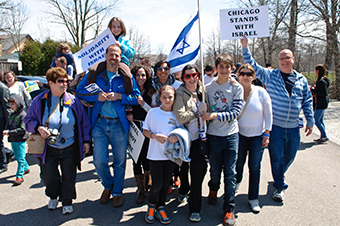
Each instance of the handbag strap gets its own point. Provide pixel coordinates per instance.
(247, 101)
(49, 117)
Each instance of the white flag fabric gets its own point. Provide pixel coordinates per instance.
(186, 48)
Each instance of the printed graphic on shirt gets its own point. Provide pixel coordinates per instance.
(172, 121)
(219, 103)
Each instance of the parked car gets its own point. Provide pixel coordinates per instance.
(31, 85)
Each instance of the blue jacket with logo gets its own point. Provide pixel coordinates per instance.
(117, 85)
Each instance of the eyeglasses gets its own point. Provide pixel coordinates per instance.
(193, 75)
(250, 74)
(285, 58)
(60, 80)
(163, 68)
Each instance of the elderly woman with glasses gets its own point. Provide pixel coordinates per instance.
(61, 120)
(255, 123)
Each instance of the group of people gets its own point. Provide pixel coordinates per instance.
(241, 120)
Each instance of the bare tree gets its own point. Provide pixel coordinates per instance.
(5, 6)
(140, 42)
(328, 11)
(278, 10)
(80, 16)
(17, 18)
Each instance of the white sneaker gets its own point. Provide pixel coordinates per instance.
(278, 195)
(67, 209)
(254, 205)
(237, 187)
(52, 204)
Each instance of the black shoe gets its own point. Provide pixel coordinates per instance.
(3, 169)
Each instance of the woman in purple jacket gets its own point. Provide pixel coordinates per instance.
(60, 119)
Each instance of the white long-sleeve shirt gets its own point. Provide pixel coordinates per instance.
(257, 116)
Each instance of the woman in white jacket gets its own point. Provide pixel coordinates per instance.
(255, 123)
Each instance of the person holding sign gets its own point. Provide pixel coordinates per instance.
(118, 30)
(144, 82)
(290, 93)
(109, 123)
(188, 104)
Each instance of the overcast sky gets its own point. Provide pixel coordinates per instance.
(160, 20)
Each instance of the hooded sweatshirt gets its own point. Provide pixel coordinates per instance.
(16, 125)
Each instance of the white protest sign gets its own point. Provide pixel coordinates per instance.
(93, 52)
(135, 142)
(250, 22)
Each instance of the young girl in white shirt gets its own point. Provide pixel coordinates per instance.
(159, 122)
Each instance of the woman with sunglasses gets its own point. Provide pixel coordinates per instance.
(144, 82)
(186, 108)
(60, 118)
(255, 123)
(163, 77)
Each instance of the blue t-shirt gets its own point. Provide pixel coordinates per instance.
(67, 120)
(108, 109)
(289, 80)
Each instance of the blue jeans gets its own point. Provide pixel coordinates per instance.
(105, 132)
(254, 146)
(318, 116)
(283, 146)
(223, 155)
(20, 154)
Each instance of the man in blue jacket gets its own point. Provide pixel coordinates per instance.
(290, 93)
(109, 123)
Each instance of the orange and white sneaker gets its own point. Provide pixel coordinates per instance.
(150, 214)
(161, 215)
(229, 219)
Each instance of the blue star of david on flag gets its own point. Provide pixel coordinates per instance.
(185, 45)
(186, 48)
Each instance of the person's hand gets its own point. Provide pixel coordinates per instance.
(140, 101)
(129, 117)
(117, 43)
(173, 139)
(244, 41)
(308, 130)
(160, 138)
(86, 148)
(112, 96)
(206, 116)
(232, 80)
(39, 83)
(265, 142)
(102, 97)
(202, 108)
(44, 132)
(5, 132)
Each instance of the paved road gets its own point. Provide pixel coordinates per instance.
(313, 196)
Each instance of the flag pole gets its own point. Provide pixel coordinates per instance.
(201, 50)
(201, 53)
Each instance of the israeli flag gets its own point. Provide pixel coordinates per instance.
(186, 48)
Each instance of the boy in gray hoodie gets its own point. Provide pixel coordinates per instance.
(225, 98)
(17, 135)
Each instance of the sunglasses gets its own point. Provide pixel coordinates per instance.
(193, 75)
(60, 80)
(246, 74)
(163, 68)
